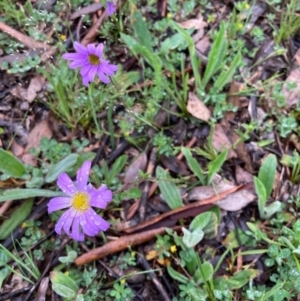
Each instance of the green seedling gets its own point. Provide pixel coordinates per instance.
(294, 163)
(65, 286)
(264, 185)
(169, 190)
(213, 167)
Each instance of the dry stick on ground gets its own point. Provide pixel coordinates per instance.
(27, 41)
(93, 30)
(144, 197)
(119, 245)
(5, 207)
(185, 211)
(86, 10)
(153, 277)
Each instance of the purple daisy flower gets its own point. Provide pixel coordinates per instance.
(80, 218)
(90, 60)
(110, 8)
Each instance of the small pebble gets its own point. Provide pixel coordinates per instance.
(24, 106)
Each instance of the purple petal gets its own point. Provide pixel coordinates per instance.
(99, 50)
(85, 69)
(110, 8)
(88, 226)
(62, 220)
(69, 221)
(77, 234)
(80, 48)
(74, 56)
(59, 203)
(91, 48)
(92, 73)
(108, 68)
(76, 64)
(103, 77)
(83, 175)
(85, 80)
(66, 185)
(101, 197)
(97, 220)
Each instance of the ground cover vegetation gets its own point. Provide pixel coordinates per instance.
(149, 150)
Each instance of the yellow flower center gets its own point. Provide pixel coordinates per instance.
(81, 201)
(94, 59)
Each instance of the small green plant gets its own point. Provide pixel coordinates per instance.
(264, 186)
(213, 167)
(164, 144)
(198, 284)
(286, 125)
(294, 163)
(65, 286)
(163, 245)
(289, 21)
(121, 292)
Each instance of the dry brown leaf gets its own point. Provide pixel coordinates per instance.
(17, 149)
(29, 94)
(133, 170)
(36, 85)
(220, 141)
(29, 159)
(236, 200)
(292, 96)
(19, 92)
(193, 23)
(242, 176)
(203, 45)
(203, 192)
(40, 130)
(197, 108)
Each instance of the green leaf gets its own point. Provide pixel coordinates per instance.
(216, 55)
(141, 30)
(267, 173)
(4, 272)
(191, 238)
(20, 194)
(201, 221)
(262, 196)
(168, 189)
(241, 278)
(272, 209)
(17, 217)
(136, 48)
(204, 273)
(207, 222)
(63, 285)
(226, 76)
(10, 165)
(215, 165)
(60, 167)
(115, 169)
(192, 50)
(193, 165)
(177, 276)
